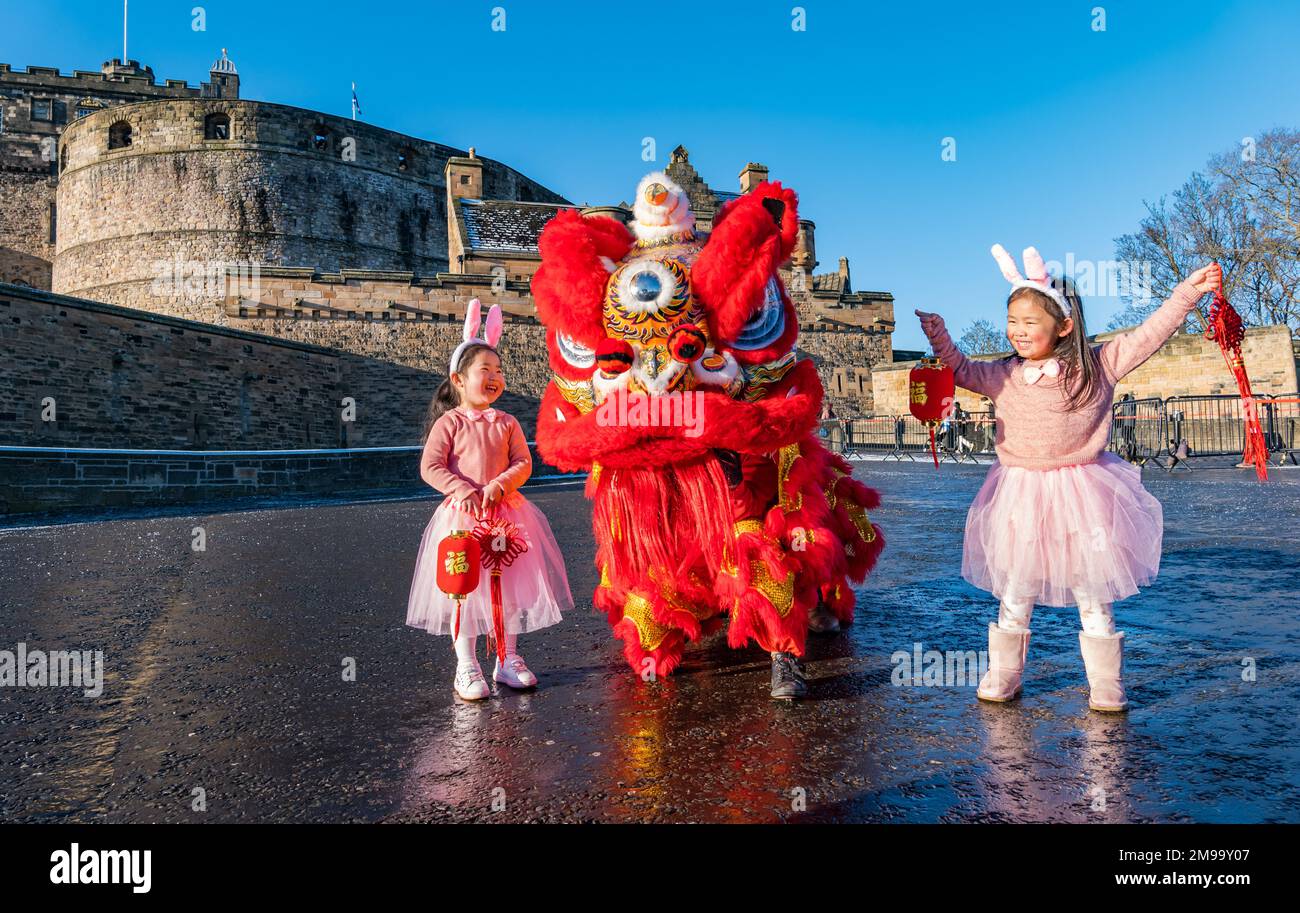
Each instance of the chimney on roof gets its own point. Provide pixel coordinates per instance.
(844, 276)
(751, 176)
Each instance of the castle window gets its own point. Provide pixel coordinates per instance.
(216, 126)
(63, 157)
(119, 135)
(405, 159)
(42, 109)
(320, 139)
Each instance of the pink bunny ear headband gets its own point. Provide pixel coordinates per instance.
(1035, 276)
(491, 331)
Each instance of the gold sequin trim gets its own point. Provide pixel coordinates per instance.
(858, 515)
(780, 594)
(742, 526)
(651, 633)
(785, 460)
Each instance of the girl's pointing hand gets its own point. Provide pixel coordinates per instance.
(930, 323)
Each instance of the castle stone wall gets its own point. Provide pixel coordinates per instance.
(416, 321)
(114, 377)
(26, 251)
(367, 198)
(844, 359)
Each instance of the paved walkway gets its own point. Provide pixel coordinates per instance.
(224, 680)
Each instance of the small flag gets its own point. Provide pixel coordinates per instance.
(356, 105)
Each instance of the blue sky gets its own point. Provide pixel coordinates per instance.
(1061, 132)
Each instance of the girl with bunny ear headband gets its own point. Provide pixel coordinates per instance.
(478, 457)
(491, 334)
(1059, 520)
(474, 364)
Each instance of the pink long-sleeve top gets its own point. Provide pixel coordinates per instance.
(1034, 428)
(467, 449)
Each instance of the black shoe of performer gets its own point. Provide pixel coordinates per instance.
(788, 682)
(821, 620)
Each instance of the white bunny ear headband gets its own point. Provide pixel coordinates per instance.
(491, 331)
(1035, 276)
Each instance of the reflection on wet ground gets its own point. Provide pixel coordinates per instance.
(225, 697)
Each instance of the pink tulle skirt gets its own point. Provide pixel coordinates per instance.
(1048, 534)
(534, 588)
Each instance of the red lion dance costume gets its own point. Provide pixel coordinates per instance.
(734, 508)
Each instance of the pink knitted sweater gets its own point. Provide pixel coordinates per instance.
(1034, 430)
(466, 449)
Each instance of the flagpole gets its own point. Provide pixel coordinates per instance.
(124, 2)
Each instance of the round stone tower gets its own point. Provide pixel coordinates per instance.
(154, 196)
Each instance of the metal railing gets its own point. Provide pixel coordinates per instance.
(964, 438)
(1168, 432)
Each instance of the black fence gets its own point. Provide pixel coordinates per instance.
(1167, 432)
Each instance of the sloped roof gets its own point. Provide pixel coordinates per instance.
(504, 226)
(828, 282)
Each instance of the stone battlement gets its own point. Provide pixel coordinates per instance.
(131, 74)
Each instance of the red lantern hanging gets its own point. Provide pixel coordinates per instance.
(931, 392)
(500, 543)
(458, 570)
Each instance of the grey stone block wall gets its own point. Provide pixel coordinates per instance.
(53, 481)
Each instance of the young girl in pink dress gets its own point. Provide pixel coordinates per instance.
(1059, 521)
(477, 457)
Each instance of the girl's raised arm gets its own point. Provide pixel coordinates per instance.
(984, 377)
(1127, 351)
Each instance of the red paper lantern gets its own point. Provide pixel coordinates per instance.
(931, 393)
(459, 563)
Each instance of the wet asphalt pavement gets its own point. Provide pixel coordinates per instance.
(225, 697)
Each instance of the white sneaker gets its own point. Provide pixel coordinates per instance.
(470, 683)
(514, 672)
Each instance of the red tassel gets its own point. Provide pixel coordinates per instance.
(1225, 328)
(493, 531)
(498, 615)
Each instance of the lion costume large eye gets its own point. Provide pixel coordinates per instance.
(766, 325)
(643, 289)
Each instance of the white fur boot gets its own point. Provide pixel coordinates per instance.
(1007, 652)
(1103, 658)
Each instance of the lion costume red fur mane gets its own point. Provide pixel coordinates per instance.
(732, 509)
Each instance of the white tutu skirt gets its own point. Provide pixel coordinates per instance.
(534, 588)
(1046, 534)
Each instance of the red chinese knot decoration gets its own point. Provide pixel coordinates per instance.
(1224, 327)
(931, 391)
(500, 542)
